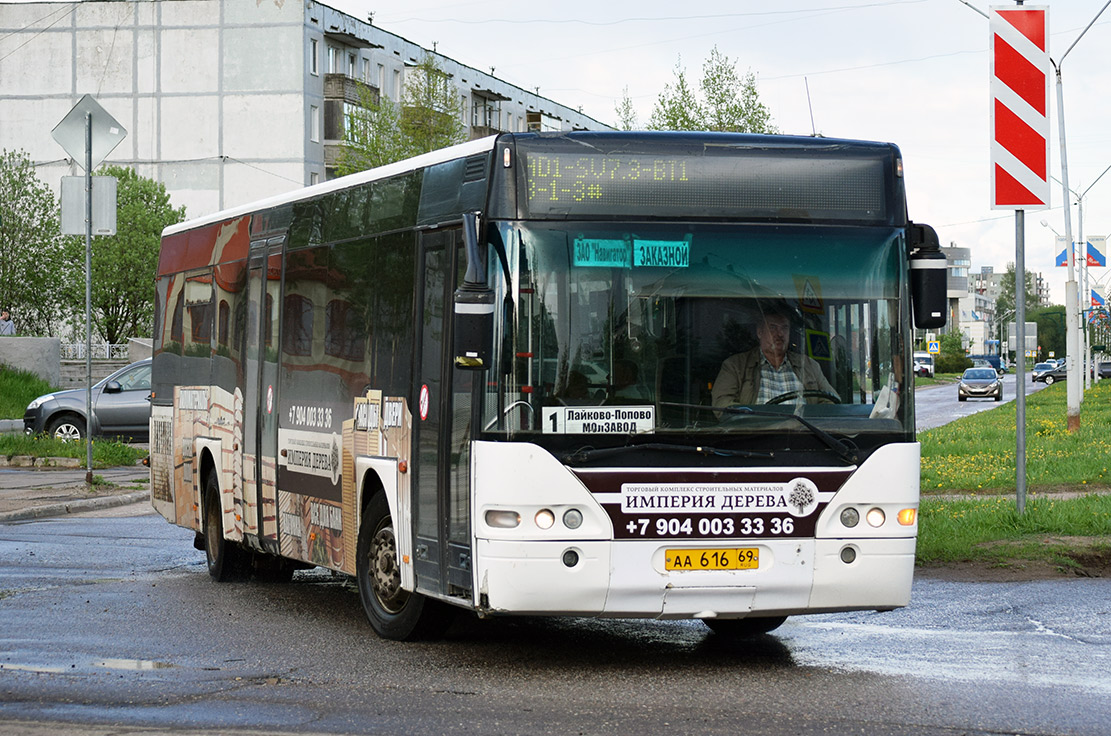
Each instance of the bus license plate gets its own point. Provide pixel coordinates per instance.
(742, 558)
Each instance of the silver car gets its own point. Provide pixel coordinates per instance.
(121, 408)
(980, 383)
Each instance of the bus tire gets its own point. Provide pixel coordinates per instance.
(744, 627)
(226, 560)
(394, 613)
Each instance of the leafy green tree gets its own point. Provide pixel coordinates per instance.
(124, 264)
(378, 131)
(1005, 302)
(1051, 329)
(626, 114)
(952, 359)
(726, 101)
(30, 258)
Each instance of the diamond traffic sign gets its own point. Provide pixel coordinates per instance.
(70, 133)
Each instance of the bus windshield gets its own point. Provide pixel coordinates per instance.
(619, 329)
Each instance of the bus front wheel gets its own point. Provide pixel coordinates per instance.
(394, 612)
(226, 560)
(744, 627)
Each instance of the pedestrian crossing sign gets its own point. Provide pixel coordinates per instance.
(933, 347)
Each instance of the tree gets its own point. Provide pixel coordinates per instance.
(952, 359)
(378, 131)
(1051, 329)
(1005, 302)
(124, 264)
(30, 257)
(626, 114)
(727, 102)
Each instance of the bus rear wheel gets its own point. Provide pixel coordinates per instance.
(744, 627)
(226, 560)
(393, 612)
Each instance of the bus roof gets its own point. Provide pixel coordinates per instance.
(410, 164)
(608, 140)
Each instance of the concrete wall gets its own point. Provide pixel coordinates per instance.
(139, 348)
(39, 355)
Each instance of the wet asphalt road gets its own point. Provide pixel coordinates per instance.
(114, 623)
(938, 405)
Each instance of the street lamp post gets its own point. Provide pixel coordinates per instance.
(1072, 342)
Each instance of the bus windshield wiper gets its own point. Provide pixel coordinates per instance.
(844, 448)
(586, 454)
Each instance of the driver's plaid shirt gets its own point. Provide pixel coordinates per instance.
(776, 381)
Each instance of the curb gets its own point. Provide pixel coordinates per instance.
(69, 507)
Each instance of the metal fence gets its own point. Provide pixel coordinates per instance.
(100, 351)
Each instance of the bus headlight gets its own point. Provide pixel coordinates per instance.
(875, 517)
(545, 519)
(500, 519)
(906, 517)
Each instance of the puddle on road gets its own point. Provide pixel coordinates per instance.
(135, 665)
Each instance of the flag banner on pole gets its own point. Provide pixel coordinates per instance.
(1062, 257)
(1097, 300)
(1097, 247)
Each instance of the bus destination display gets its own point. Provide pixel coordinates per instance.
(559, 184)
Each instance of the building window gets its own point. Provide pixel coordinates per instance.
(314, 123)
(343, 332)
(297, 330)
(314, 57)
(366, 70)
(314, 178)
(352, 68)
(396, 85)
(382, 79)
(333, 60)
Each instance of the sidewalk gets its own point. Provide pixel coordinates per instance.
(30, 493)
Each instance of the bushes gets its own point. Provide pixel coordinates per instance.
(952, 363)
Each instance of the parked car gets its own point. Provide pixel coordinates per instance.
(1058, 373)
(980, 383)
(1040, 368)
(924, 365)
(121, 408)
(1104, 369)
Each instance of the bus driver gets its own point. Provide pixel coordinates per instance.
(769, 369)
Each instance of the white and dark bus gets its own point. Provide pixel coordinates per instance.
(491, 378)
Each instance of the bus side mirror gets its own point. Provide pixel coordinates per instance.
(928, 277)
(474, 328)
(473, 305)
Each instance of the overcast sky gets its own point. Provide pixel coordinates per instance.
(912, 72)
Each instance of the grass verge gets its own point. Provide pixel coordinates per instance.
(977, 453)
(106, 453)
(973, 459)
(17, 390)
(1070, 535)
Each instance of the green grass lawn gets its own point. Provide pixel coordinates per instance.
(17, 389)
(968, 511)
(977, 453)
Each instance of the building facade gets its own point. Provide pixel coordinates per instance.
(224, 101)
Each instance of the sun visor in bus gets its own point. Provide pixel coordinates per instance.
(928, 278)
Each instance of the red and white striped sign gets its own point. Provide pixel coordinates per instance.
(1019, 107)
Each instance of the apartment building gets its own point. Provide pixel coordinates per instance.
(224, 101)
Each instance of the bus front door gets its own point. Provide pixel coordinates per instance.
(441, 505)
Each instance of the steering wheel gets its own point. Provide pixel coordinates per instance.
(807, 394)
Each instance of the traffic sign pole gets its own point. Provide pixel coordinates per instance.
(88, 298)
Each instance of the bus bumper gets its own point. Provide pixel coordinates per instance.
(795, 576)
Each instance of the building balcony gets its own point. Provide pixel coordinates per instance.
(349, 89)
